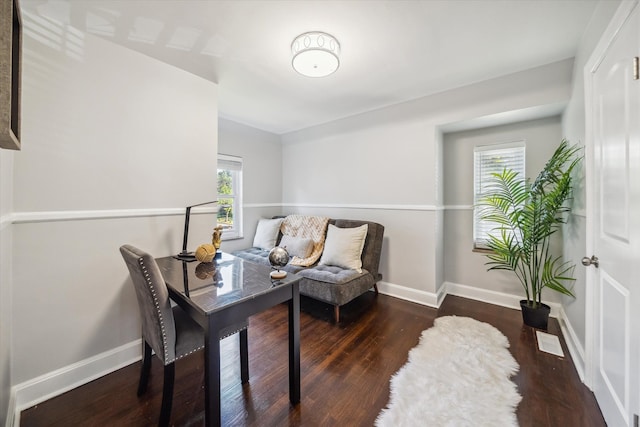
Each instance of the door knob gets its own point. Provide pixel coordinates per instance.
(586, 261)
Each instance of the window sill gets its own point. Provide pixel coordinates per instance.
(482, 250)
(232, 237)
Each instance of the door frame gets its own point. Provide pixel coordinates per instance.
(618, 20)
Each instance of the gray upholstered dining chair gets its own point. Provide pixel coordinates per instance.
(169, 332)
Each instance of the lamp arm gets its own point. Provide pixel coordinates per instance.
(187, 215)
(186, 230)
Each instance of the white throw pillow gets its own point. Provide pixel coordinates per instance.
(297, 246)
(267, 233)
(343, 247)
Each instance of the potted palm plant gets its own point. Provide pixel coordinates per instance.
(527, 215)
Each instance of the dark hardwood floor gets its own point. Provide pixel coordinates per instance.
(345, 373)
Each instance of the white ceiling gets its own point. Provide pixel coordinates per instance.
(392, 51)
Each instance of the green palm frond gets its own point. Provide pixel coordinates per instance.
(555, 274)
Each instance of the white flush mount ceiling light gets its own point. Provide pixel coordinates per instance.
(315, 54)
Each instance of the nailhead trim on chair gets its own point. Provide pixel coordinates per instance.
(192, 351)
(202, 346)
(155, 300)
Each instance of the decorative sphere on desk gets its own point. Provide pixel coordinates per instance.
(205, 253)
(278, 257)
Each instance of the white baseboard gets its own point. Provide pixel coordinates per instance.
(573, 344)
(492, 297)
(10, 421)
(409, 294)
(44, 387)
(449, 288)
(442, 293)
(484, 295)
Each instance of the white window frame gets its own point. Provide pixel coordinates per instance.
(486, 160)
(234, 164)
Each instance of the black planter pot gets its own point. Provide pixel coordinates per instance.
(535, 317)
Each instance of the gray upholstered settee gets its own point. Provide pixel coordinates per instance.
(334, 285)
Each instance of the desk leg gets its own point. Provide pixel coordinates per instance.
(294, 346)
(244, 356)
(212, 415)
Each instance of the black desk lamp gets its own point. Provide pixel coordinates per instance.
(184, 255)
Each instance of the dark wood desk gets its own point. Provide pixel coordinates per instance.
(224, 293)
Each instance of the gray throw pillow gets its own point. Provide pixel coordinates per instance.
(297, 246)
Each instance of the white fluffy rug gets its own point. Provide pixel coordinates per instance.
(458, 375)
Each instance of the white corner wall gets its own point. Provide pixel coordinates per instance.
(386, 166)
(115, 144)
(261, 153)
(462, 266)
(573, 127)
(6, 201)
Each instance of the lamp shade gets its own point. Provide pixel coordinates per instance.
(315, 54)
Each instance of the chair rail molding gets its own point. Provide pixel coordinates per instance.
(458, 207)
(261, 205)
(75, 215)
(51, 216)
(398, 207)
(6, 220)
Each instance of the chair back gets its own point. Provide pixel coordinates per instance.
(158, 327)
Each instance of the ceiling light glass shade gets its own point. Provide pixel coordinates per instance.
(315, 54)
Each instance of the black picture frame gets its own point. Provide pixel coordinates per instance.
(10, 74)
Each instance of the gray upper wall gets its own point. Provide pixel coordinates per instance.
(542, 136)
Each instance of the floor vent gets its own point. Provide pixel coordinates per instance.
(549, 343)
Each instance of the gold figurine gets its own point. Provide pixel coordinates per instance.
(217, 237)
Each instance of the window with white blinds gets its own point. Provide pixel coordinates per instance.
(490, 159)
(230, 196)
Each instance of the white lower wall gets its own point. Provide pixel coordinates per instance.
(573, 127)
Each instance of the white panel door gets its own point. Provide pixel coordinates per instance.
(616, 223)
